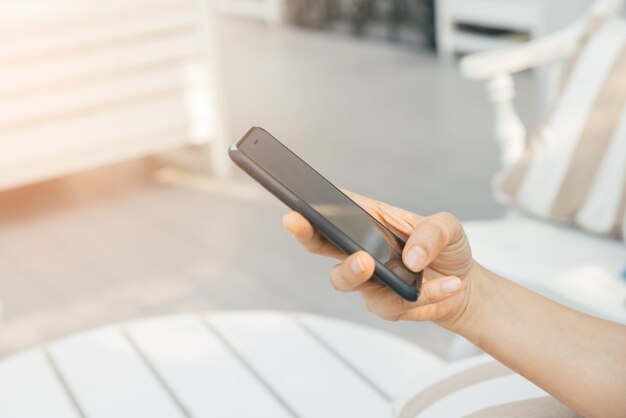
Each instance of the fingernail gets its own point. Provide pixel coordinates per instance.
(356, 265)
(416, 258)
(451, 285)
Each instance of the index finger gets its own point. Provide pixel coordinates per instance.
(353, 272)
(400, 221)
(309, 238)
(430, 237)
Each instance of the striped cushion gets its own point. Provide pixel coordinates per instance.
(575, 167)
(480, 387)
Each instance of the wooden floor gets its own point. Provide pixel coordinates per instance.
(142, 238)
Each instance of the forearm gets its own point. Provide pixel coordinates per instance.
(579, 359)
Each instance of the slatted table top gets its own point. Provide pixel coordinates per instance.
(222, 364)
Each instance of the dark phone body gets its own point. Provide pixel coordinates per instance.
(337, 217)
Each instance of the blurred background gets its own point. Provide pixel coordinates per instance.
(118, 200)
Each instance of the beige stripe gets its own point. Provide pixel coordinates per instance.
(593, 24)
(618, 229)
(594, 141)
(511, 183)
(465, 378)
(537, 408)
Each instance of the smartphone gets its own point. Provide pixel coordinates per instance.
(331, 212)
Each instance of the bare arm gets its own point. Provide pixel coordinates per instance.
(579, 359)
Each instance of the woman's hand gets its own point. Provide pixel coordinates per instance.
(577, 358)
(436, 244)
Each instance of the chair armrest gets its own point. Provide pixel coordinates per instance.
(489, 64)
(496, 68)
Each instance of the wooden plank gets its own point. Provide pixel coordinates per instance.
(207, 378)
(108, 378)
(99, 34)
(83, 158)
(50, 14)
(306, 375)
(98, 64)
(32, 110)
(387, 361)
(81, 133)
(29, 387)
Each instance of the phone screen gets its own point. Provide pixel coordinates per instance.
(308, 185)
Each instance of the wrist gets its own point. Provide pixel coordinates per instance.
(477, 292)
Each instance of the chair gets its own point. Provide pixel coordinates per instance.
(556, 260)
(467, 26)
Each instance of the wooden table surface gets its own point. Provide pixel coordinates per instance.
(222, 364)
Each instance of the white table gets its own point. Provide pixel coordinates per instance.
(223, 364)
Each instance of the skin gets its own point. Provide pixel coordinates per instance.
(577, 358)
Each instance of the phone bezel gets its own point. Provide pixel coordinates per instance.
(325, 227)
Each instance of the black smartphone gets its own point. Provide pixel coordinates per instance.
(337, 217)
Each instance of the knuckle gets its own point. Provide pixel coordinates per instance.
(335, 278)
(391, 317)
(447, 216)
(333, 283)
(315, 245)
(451, 223)
(427, 296)
(385, 308)
(369, 306)
(373, 306)
(404, 305)
(440, 226)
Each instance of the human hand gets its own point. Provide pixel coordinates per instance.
(436, 244)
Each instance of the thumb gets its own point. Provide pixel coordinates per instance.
(439, 289)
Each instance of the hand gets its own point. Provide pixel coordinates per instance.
(436, 244)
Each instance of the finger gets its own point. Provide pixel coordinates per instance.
(308, 237)
(400, 221)
(431, 235)
(352, 272)
(297, 225)
(384, 302)
(437, 290)
(388, 305)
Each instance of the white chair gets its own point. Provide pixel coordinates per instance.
(526, 19)
(573, 267)
(90, 83)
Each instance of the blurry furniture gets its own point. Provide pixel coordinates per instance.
(270, 11)
(569, 265)
(465, 26)
(89, 83)
(225, 364)
(418, 14)
(309, 13)
(253, 364)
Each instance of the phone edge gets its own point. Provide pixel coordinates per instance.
(332, 233)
